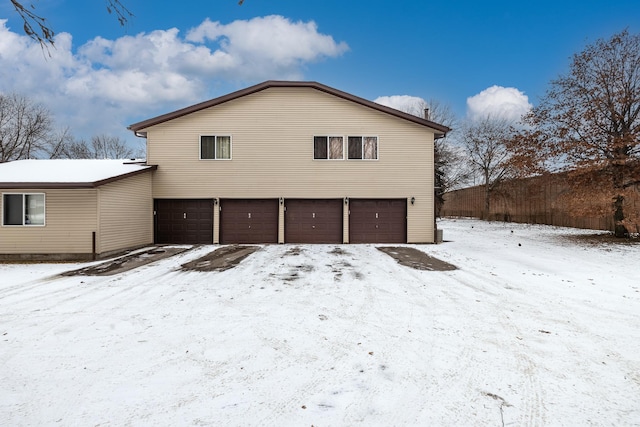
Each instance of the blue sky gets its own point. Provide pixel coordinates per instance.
(103, 77)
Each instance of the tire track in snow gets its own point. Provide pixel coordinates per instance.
(414, 286)
(148, 274)
(500, 294)
(30, 285)
(531, 406)
(532, 414)
(341, 346)
(293, 399)
(495, 293)
(99, 289)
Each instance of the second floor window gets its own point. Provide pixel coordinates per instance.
(215, 147)
(328, 147)
(363, 147)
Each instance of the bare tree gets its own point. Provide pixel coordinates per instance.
(450, 166)
(589, 124)
(25, 128)
(27, 131)
(36, 26)
(486, 142)
(100, 147)
(110, 147)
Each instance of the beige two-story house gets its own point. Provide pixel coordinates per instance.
(291, 162)
(278, 162)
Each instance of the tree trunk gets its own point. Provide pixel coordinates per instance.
(619, 229)
(487, 202)
(618, 216)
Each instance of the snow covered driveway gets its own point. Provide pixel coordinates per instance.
(533, 329)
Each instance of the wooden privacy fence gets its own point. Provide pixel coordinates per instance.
(531, 201)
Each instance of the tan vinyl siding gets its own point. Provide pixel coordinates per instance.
(272, 133)
(281, 222)
(70, 220)
(216, 221)
(345, 223)
(126, 214)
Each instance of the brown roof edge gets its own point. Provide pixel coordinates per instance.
(73, 185)
(136, 127)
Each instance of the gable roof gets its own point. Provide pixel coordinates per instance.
(440, 130)
(65, 173)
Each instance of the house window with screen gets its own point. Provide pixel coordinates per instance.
(23, 209)
(215, 147)
(363, 147)
(328, 147)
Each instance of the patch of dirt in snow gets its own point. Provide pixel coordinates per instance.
(414, 258)
(221, 259)
(296, 250)
(128, 262)
(604, 240)
(340, 267)
(294, 273)
(339, 251)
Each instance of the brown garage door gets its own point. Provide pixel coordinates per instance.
(249, 221)
(378, 221)
(186, 221)
(313, 221)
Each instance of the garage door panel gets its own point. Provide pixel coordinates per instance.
(184, 221)
(378, 221)
(249, 221)
(313, 221)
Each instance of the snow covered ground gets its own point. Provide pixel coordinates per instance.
(534, 329)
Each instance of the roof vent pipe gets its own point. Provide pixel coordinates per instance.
(426, 114)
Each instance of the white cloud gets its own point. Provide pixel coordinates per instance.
(97, 87)
(268, 45)
(409, 104)
(498, 101)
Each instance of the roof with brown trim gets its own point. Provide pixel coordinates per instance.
(137, 128)
(67, 173)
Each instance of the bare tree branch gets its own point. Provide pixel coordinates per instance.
(120, 11)
(36, 26)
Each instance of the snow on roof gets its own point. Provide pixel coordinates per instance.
(64, 171)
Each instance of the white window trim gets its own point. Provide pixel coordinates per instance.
(363, 137)
(44, 196)
(328, 136)
(215, 146)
